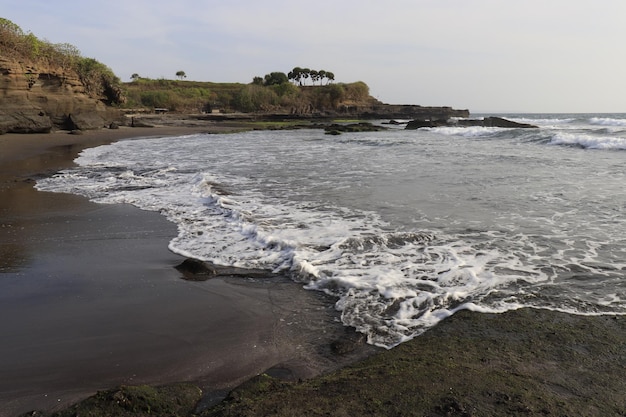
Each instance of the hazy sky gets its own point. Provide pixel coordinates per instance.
(484, 55)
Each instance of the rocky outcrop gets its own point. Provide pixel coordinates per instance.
(337, 129)
(408, 112)
(36, 99)
(370, 109)
(486, 122)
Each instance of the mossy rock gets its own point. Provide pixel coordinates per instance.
(336, 129)
(137, 401)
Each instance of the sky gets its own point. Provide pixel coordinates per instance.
(539, 56)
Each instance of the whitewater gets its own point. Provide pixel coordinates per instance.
(403, 227)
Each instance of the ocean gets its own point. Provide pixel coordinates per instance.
(403, 227)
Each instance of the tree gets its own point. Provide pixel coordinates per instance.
(314, 74)
(306, 73)
(275, 78)
(181, 74)
(134, 77)
(321, 74)
(295, 75)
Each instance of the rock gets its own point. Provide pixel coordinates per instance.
(336, 129)
(37, 99)
(22, 119)
(486, 122)
(196, 270)
(85, 121)
(417, 124)
(500, 122)
(378, 110)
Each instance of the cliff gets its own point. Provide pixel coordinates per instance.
(35, 98)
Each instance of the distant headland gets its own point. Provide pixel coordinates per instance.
(46, 87)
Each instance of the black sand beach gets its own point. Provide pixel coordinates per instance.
(90, 298)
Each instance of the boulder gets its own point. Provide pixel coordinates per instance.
(500, 122)
(196, 270)
(417, 124)
(85, 121)
(336, 128)
(24, 120)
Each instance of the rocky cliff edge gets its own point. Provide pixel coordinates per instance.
(38, 99)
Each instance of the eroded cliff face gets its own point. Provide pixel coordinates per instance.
(36, 99)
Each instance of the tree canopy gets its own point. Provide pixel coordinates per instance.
(300, 75)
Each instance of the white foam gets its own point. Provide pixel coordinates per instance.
(590, 141)
(469, 132)
(544, 122)
(392, 283)
(607, 121)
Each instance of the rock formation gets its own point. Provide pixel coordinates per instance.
(36, 99)
(486, 122)
(379, 110)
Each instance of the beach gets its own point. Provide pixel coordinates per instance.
(90, 297)
(90, 300)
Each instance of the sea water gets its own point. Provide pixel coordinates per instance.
(403, 227)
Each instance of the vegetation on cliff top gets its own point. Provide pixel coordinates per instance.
(261, 95)
(99, 80)
(277, 92)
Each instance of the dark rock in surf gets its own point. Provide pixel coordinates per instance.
(195, 270)
(500, 122)
(336, 129)
(486, 122)
(418, 124)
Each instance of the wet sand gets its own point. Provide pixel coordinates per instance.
(90, 298)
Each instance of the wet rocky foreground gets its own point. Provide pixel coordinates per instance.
(522, 363)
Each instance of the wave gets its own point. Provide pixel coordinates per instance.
(392, 282)
(588, 141)
(468, 132)
(607, 121)
(544, 122)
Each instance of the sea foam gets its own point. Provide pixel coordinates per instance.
(403, 228)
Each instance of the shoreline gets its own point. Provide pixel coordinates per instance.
(95, 300)
(159, 329)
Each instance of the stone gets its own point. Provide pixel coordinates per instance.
(196, 270)
(85, 121)
(486, 122)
